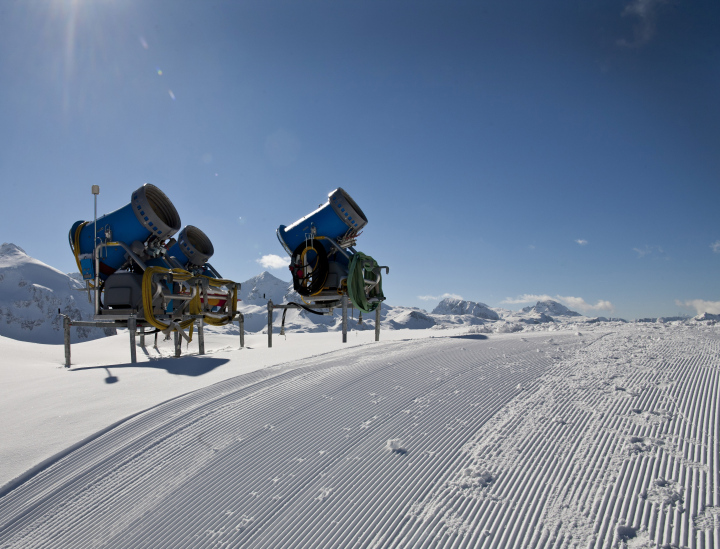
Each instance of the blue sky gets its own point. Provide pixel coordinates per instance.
(501, 151)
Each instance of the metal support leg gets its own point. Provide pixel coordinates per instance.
(178, 343)
(201, 336)
(377, 322)
(132, 328)
(344, 317)
(66, 331)
(142, 338)
(241, 326)
(270, 322)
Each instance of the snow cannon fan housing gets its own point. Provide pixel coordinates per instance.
(340, 219)
(150, 216)
(192, 249)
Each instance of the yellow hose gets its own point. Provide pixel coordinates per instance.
(76, 249)
(147, 294)
(194, 306)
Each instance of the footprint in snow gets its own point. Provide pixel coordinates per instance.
(396, 446)
(626, 533)
(472, 477)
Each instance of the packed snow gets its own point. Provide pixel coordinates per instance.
(532, 429)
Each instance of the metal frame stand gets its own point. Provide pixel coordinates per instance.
(132, 325)
(377, 322)
(344, 303)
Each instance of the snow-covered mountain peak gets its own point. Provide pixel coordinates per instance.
(9, 248)
(11, 254)
(263, 287)
(550, 307)
(31, 293)
(454, 306)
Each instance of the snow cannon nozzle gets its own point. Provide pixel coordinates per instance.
(192, 247)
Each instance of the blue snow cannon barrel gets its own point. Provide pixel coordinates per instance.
(339, 216)
(193, 247)
(150, 214)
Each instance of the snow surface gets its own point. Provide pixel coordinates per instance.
(539, 439)
(458, 434)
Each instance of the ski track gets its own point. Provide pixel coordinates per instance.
(608, 439)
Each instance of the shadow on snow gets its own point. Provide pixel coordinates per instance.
(192, 366)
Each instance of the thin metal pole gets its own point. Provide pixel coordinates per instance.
(66, 330)
(95, 254)
(377, 323)
(142, 338)
(270, 322)
(96, 290)
(344, 317)
(201, 336)
(178, 343)
(132, 328)
(241, 326)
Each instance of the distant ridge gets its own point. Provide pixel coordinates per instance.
(454, 306)
(550, 307)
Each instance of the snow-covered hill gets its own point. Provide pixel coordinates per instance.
(261, 288)
(31, 293)
(452, 306)
(550, 308)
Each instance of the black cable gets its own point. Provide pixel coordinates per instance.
(309, 283)
(301, 306)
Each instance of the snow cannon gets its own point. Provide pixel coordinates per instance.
(324, 264)
(137, 269)
(149, 218)
(340, 219)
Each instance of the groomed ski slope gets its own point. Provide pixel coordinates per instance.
(599, 439)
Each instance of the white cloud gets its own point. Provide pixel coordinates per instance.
(572, 302)
(649, 250)
(716, 246)
(526, 298)
(581, 242)
(645, 14)
(701, 306)
(272, 261)
(580, 304)
(439, 297)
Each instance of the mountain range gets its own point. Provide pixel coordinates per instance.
(32, 293)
